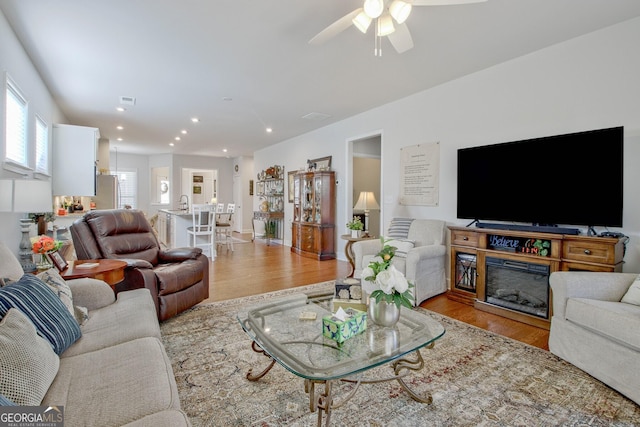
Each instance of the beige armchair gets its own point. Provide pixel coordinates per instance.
(421, 255)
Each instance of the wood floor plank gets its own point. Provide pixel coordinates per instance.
(255, 268)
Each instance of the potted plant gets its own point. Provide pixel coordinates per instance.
(356, 226)
(388, 287)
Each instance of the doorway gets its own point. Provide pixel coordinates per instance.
(200, 185)
(366, 162)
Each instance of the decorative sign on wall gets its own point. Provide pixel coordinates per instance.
(420, 169)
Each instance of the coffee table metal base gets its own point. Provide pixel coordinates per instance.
(324, 402)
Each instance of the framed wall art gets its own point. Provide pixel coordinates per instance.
(322, 164)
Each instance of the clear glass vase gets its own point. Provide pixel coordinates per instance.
(42, 262)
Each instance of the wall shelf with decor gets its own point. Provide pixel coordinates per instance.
(506, 272)
(313, 227)
(270, 194)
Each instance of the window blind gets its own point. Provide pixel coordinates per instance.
(42, 146)
(16, 126)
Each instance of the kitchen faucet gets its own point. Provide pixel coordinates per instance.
(184, 205)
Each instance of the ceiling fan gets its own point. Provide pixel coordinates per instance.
(383, 13)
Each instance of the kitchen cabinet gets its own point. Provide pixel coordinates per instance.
(74, 160)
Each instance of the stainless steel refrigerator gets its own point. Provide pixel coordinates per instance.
(106, 192)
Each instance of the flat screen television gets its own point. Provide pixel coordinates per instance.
(573, 179)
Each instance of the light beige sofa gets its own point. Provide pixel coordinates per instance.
(117, 373)
(592, 329)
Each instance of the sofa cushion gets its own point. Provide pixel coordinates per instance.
(60, 287)
(116, 385)
(10, 267)
(176, 277)
(620, 322)
(633, 294)
(28, 365)
(134, 309)
(45, 310)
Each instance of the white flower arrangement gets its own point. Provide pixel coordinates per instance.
(384, 282)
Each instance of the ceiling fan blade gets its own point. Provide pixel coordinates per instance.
(443, 2)
(401, 38)
(336, 28)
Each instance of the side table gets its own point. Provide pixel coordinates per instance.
(110, 271)
(348, 251)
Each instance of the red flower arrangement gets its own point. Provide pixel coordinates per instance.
(44, 244)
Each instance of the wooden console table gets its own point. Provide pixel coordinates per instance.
(470, 248)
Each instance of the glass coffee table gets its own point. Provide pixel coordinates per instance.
(280, 333)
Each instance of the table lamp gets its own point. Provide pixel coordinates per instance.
(30, 196)
(366, 202)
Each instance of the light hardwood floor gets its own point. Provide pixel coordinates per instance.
(254, 268)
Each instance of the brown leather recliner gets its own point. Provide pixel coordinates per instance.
(177, 278)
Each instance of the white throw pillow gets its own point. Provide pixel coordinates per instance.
(402, 246)
(27, 361)
(633, 293)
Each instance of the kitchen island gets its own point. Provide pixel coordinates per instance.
(172, 229)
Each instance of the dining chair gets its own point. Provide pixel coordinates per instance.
(203, 227)
(220, 208)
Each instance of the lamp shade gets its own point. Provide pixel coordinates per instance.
(373, 8)
(32, 196)
(362, 22)
(366, 201)
(400, 10)
(385, 25)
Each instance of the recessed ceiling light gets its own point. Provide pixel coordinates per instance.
(177, 138)
(171, 144)
(119, 139)
(195, 120)
(119, 127)
(183, 131)
(269, 130)
(121, 109)
(224, 150)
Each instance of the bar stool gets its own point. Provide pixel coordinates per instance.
(223, 225)
(203, 226)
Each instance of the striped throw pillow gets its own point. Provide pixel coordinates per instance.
(399, 228)
(45, 310)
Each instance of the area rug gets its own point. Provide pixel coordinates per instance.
(476, 378)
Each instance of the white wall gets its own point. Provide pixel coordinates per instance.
(589, 82)
(15, 62)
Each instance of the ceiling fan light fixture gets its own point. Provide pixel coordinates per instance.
(373, 8)
(362, 22)
(385, 25)
(400, 10)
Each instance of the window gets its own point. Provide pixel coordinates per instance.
(127, 188)
(15, 126)
(42, 146)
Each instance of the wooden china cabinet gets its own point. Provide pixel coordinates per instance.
(313, 227)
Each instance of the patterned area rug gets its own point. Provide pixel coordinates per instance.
(477, 378)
